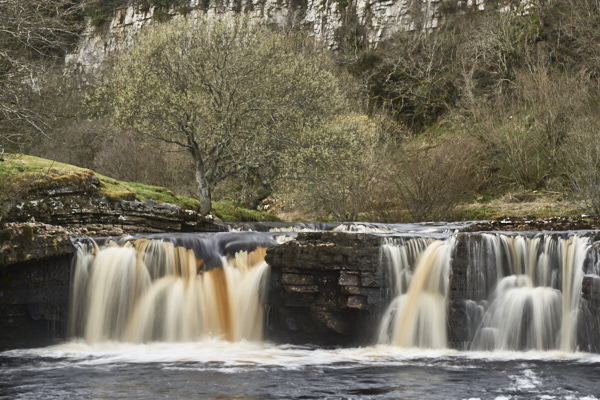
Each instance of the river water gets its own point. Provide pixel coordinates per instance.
(139, 305)
(216, 369)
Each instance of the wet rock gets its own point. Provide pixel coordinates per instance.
(317, 293)
(35, 263)
(588, 329)
(101, 216)
(523, 224)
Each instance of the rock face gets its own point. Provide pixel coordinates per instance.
(331, 289)
(98, 216)
(326, 289)
(33, 242)
(35, 264)
(324, 18)
(589, 319)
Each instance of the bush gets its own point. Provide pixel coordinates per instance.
(341, 175)
(525, 129)
(432, 178)
(582, 161)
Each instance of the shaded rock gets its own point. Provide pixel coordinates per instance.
(101, 216)
(316, 292)
(588, 329)
(33, 242)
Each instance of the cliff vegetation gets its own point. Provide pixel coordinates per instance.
(493, 112)
(26, 179)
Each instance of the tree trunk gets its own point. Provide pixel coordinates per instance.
(204, 189)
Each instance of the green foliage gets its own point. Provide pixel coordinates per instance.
(160, 15)
(232, 93)
(340, 176)
(99, 11)
(163, 3)
(410, 74)
(160, 195)
(238, 212)
(23, 175)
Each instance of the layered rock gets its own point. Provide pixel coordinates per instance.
(35, 263)
(326, 288)
(323, 18)
(99, 216)
(77, 205)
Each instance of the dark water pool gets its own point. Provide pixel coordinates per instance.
(220, 370)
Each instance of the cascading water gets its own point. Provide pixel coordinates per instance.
(537, 285)
(154, 290)
(131, 301)
(419, 271)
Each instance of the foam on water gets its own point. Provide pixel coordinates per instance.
(253, 354)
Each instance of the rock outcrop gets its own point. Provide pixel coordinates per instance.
(35, 266)
(99, 216)
(21, 242)
(325, 19)
(326, 288)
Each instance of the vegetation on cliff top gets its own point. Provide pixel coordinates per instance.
(493, 113)
(25, 177)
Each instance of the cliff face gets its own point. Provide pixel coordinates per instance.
(324, 18)
(35, 264)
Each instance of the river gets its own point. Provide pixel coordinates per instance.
(216, 369)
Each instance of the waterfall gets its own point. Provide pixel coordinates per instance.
(419, 270)
(537, 288)
(154, 290)
(478, 291)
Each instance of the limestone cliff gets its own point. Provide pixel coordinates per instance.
(323, 18)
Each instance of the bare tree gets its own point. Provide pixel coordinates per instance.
(34, 35)
(433, 178)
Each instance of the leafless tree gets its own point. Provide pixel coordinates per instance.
(34, 36)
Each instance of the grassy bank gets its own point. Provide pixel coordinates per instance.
(23, 177)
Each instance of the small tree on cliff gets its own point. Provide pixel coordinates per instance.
(233, 93)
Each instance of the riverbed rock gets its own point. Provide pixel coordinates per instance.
(325, 289)
(103, 217)
(35, 263)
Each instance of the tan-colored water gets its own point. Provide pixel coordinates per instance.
(150, 290)
(417, 315)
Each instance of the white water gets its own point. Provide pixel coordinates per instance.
(535, 303)
(217, 369)
(151, 290)
(251, 354)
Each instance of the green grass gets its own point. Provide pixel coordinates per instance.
(234, 211)
(23, 176)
